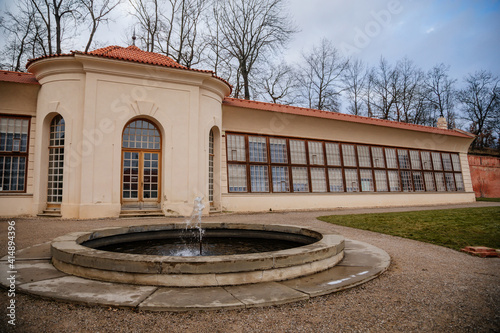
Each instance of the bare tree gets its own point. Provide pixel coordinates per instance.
(480, 100)
(409, 86)
(44, 27)
(384, 90)
(249, 29)
(320, 77)
(147, 14)
(180, 36)
(19, 28)
(278, 84)
(355, 80)
(54, 14)
(97, 12)
(441, 93)
(368, 95)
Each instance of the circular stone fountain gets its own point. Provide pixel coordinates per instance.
(315, 250)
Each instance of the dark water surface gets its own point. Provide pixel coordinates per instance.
(212, 246)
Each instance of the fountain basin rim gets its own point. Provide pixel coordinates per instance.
(323, 240)
(71, 257)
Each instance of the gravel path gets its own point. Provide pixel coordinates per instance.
(427, 288)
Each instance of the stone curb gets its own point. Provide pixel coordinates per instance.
(362, 262)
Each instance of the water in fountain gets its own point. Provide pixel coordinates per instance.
(190, 242)
(194, 229)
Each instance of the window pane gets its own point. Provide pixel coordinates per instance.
(348, 155)
(406, 181)
(459, 182)
(316, 153)
(456, 162)
(364, 156)
(426, 160)
(278, 150)
(12, 173)
(366, 180)
(404, 161)
(378, 157)
(394, 184)
(436, 161)
(237, 178)
(257, 149)
(440, 181)
(56, 160)
(450, 181)
(447, 162)
(211, 166)
(429, 181)
(318, 180)
(57, 127)
(418, 181)
(381, 181)
(351, 180)
(297, 152)
(141, 134)
(280, 179)
(415, 160)
(390, 158)
(336, 180)
(236, 148)
(332, 153)
(299, 178)
(259, 178)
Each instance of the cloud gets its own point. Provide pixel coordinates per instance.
(464, 34)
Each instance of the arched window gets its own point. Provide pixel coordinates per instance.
(211, 167)
(56, 161)
(141, 152)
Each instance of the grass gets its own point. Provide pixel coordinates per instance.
(488, 199)
(453, 228)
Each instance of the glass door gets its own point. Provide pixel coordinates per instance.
(141, 157)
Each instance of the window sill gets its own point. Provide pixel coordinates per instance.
(13, 194)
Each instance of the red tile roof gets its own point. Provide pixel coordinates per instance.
(134, 54)
(18, 77)
(242, 103)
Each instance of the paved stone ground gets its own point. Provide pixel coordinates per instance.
(427, 288)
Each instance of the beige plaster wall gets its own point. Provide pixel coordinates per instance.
(97, 98)
(20, 99)
(272, 123)
(290, 201)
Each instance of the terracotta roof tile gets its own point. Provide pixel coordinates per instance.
(134, 54)
(339, 116)
(18, 77)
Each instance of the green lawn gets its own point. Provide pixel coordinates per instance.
(488, 199)
(453, 228)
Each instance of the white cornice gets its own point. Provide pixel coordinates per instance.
(54, 66)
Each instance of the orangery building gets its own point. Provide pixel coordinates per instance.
(120, 130)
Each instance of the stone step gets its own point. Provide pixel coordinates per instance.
(141, 212)
(50, 213)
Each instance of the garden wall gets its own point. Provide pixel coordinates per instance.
(485, 174)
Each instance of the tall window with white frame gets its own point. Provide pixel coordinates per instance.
(13, 153)
(56, 161)
(211, 168)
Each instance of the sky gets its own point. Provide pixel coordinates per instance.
(464, 34)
